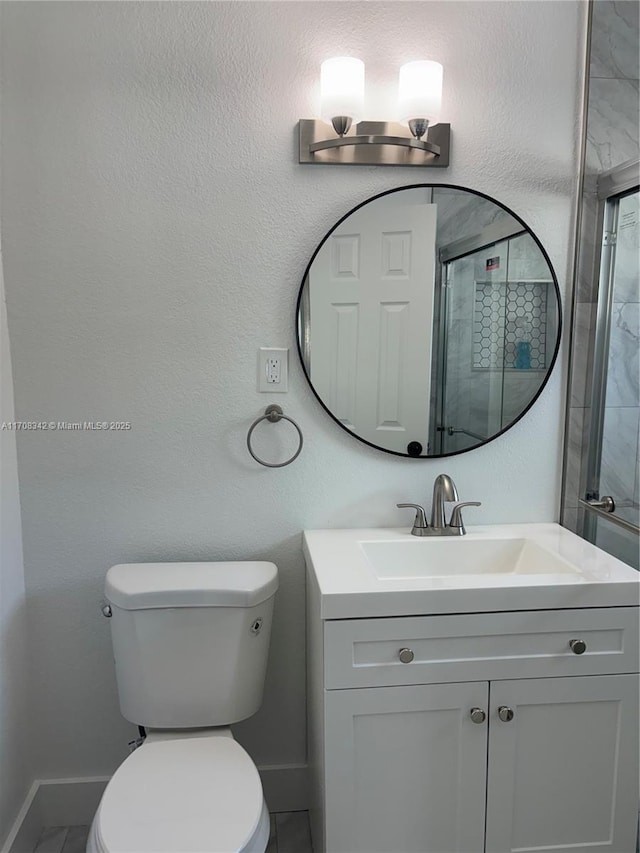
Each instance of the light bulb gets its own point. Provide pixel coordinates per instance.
(420, 91)
(342, 88)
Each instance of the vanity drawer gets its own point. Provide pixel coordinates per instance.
(480, 646)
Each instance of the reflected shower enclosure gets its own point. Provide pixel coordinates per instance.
(497, 334)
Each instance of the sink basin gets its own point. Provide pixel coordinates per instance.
(370, 572)
(449, 557)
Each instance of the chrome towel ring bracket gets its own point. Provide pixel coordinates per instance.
(274, 414)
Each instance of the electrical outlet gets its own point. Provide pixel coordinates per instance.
(274, 367)
(273, 372)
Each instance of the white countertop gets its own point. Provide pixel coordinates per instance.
(349, 587)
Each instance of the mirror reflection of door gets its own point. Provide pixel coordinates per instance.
(371, 316)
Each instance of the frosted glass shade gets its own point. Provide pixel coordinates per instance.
(342, 88)
(420, 91)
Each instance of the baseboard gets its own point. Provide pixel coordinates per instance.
(286, 787)
(27, 826)
(70, 802)
(54, 802)
(73, 802)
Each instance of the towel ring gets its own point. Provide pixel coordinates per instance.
(274, 414)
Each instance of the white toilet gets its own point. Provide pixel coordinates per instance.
(190, 643)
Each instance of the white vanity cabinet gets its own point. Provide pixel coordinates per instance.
(474, 733)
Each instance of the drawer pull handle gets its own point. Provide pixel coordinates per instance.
(505, 714)
(578, 647)
(405, 655)
(477, 715)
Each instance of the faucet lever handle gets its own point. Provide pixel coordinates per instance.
(456, 514)
(420, 522)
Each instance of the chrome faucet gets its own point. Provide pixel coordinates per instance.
(444, 491)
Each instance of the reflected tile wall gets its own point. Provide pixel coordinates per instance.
(461, 290)
(636, 488)
(587, 281)
(526, 261)
(617, 541)
(622, 376)
(619, 450)
(461, 214)
(582, 357)
(576, 435)
(459, 349)
(520, 387)
(528, 269)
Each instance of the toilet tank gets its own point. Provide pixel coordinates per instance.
(190, 640)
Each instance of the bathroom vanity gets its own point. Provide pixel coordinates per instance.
(471, 694)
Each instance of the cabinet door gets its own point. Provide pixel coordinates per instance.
(405, 769)
(563, 773)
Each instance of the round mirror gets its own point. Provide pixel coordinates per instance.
(428, 320)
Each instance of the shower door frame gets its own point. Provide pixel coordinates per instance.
(611, 186)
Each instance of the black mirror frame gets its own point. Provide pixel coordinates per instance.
(555, 350)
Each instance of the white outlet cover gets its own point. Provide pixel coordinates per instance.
(264, 355)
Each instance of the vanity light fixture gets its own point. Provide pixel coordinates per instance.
(371, 143)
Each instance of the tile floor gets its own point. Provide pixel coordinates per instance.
(289, 834)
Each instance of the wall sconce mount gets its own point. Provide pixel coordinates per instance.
(374, 143)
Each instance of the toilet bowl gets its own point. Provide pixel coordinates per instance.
(190, 644)
(187, 793)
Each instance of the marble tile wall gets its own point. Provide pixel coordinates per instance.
(612, 139)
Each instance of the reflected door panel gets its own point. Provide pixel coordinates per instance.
(371, 315)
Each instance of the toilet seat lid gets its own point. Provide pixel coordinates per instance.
(193, 795)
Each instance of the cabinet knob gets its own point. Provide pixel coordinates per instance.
(405, 655)
(477, 715)
(505, 714)
(578, 647)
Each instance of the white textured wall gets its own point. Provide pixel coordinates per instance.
(16, 772)
(156, 227)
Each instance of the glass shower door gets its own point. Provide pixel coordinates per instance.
(498, 330)
(471, 370)
(613, 478)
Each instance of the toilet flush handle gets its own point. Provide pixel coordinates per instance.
(106, 611)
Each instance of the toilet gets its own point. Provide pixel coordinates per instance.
(190, 644)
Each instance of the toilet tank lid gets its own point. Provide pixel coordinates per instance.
(141, 586)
